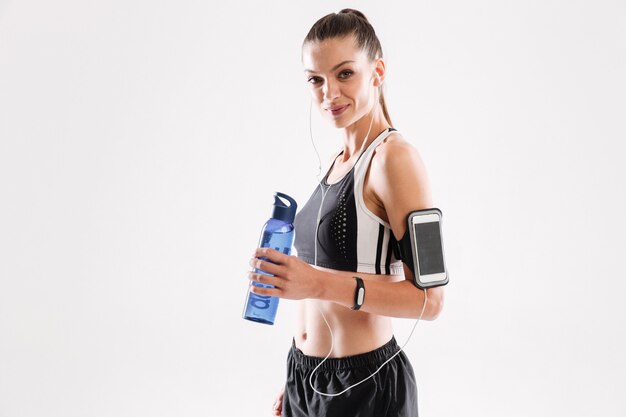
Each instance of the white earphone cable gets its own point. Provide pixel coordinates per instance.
(332, 338)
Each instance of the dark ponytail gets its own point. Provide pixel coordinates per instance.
(356, 12)
(350, 22)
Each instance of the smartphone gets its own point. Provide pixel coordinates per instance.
(429, 266)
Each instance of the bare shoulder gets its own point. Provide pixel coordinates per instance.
(398, 175)
(396, 155)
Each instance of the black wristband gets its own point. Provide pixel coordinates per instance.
(359, 294)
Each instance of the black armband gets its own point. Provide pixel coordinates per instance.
(421, 248)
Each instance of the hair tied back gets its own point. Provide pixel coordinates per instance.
(354, 12)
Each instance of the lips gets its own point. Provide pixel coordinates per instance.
(337, 109)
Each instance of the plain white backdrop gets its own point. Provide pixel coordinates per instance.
(141, 143)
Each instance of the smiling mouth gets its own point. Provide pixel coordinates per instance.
(337, 110)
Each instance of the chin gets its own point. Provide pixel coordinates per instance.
(339, 123)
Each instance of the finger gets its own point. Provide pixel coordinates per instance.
(272, 254)
(266, 279)
(272, 292)
(266, 266)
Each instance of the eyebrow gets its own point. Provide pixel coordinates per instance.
(333, 68)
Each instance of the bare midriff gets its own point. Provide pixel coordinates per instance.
(354, 332)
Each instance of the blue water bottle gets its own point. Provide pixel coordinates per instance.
(277, 233)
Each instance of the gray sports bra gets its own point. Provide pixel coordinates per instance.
(350, 237)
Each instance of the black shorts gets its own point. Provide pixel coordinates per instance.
(391, 392)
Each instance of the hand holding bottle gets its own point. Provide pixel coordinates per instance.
(290, 277)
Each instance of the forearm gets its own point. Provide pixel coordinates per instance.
(394, 299)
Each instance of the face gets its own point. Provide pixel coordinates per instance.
(342, 79)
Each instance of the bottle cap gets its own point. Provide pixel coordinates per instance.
(282, 211)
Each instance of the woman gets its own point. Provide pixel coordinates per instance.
(346, 229)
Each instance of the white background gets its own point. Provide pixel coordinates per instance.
(141, 143)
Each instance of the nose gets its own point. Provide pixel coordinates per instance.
(331, 90)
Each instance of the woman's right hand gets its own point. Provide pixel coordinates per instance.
(278, 402)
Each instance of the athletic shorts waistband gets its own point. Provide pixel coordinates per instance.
(374, 357)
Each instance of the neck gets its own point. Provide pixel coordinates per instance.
(356, 136)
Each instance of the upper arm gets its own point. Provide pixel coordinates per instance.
(401, 184)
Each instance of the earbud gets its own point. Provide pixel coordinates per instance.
(377, 77)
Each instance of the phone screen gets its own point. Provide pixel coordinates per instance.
(429, 248)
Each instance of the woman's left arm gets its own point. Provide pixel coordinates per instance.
(400, 182)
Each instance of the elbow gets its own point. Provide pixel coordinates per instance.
(434, 304)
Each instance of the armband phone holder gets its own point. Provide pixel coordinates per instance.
(421, 248)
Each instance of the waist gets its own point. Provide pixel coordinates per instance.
(373, 357)
(354, 332)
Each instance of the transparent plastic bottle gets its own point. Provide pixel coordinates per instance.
(278, 233)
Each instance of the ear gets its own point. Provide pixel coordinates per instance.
(379, 70)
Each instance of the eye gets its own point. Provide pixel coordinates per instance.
(343, 74)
